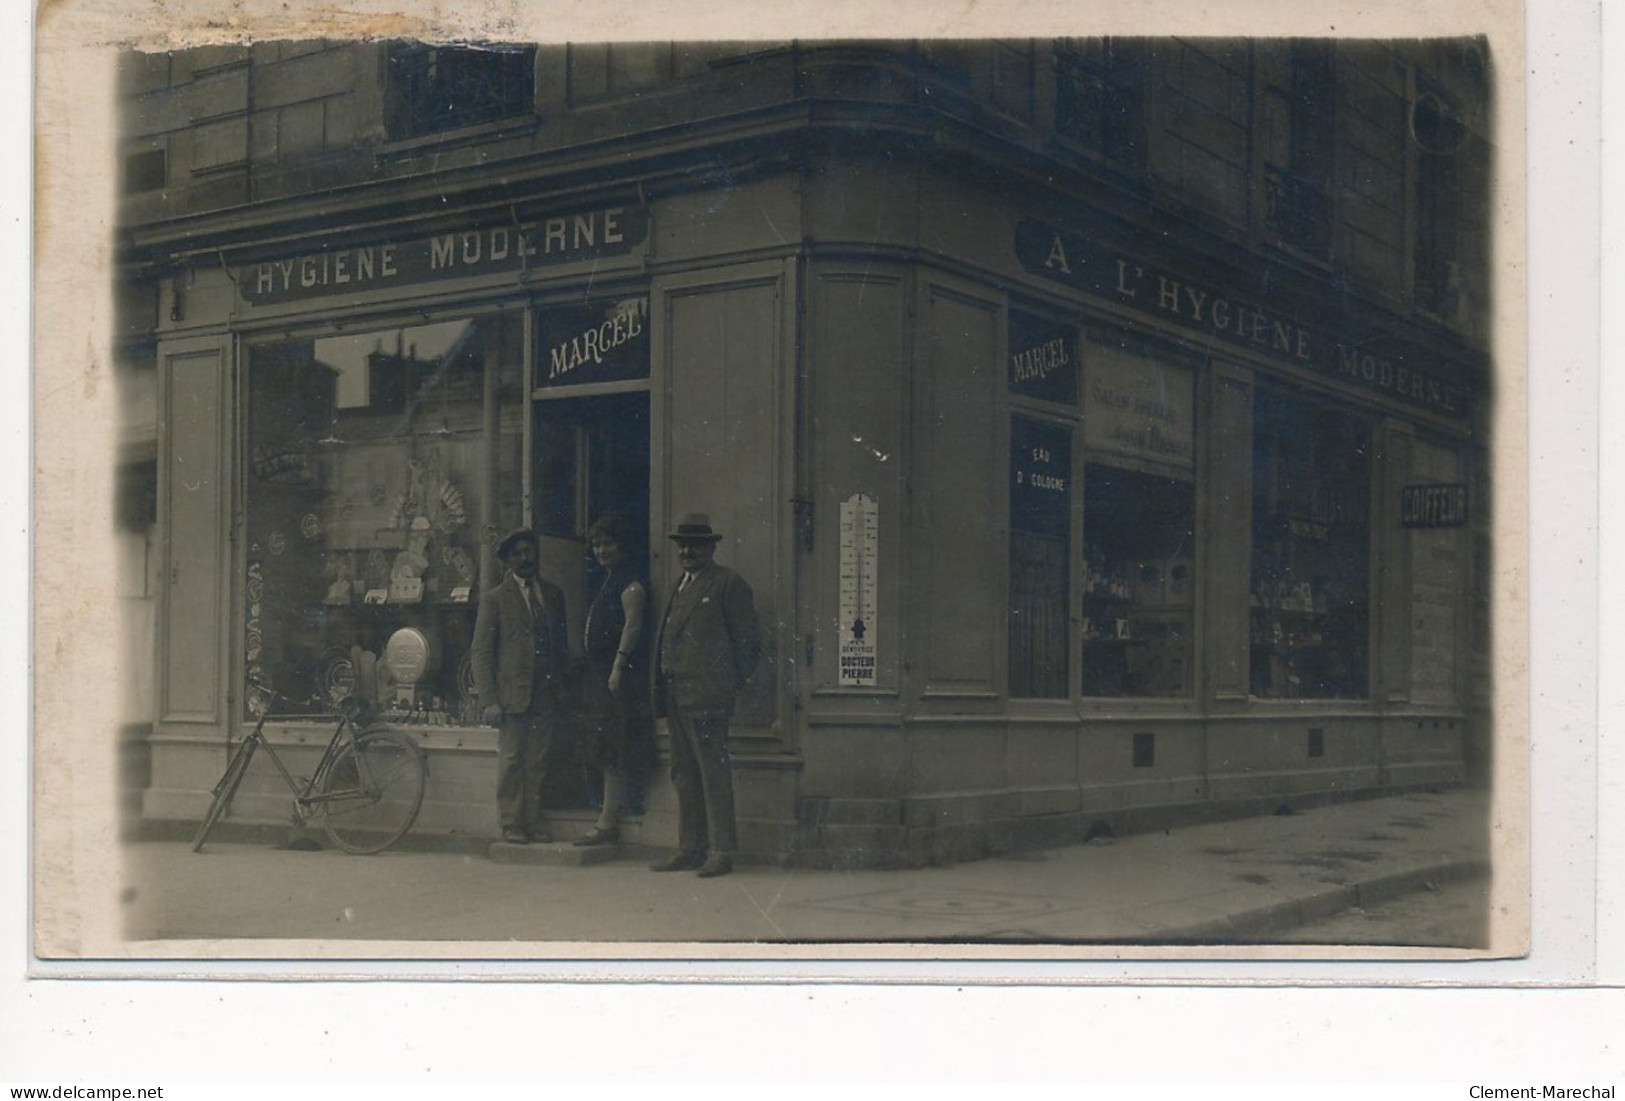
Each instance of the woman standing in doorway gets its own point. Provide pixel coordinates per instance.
(615, 691)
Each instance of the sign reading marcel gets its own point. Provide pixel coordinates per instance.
(612, 231)
(1043, 359)
(603, 341)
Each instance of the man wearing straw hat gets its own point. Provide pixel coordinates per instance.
(708, 644)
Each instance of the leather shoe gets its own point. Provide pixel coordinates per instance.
(596, 836)
(717, 865)
(513, 835)
(680, 862)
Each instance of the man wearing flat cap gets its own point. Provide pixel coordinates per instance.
(708, 645)
(520, 657)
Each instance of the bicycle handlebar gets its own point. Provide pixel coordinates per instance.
(344, 705)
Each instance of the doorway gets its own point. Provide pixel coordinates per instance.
(589, 458)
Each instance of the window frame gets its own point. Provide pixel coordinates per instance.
(413, 113)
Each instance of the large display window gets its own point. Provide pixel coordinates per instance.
(373, 472)
(1120, 608)
(1138, 559)
(1311, 567)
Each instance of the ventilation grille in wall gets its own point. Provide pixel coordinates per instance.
(1145, 750)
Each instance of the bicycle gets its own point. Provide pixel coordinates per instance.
(366, 790)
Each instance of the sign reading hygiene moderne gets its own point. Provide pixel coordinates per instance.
(1433, 506)
(1137, 284)
(612, 231)
(860, 558)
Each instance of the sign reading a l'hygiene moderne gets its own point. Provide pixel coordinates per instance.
(612, 231)
(1227, 314)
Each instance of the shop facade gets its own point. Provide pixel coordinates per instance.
(1068, 500)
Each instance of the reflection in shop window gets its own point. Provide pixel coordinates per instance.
(1138, 583)
(373, 464)
(1310, 593)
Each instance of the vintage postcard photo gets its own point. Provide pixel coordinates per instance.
(507, 490)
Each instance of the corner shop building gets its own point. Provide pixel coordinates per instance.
(1057, 511)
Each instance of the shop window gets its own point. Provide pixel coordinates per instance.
(1100, 96)
(432, 89)
(1310, 592)
(380, 466)
(1297, 128)
(1138, 582)
(1040, 525)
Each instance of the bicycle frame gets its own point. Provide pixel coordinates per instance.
(311, 796)
(366, 788)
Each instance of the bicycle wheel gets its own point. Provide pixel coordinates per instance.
(225, 790)
(371, 795)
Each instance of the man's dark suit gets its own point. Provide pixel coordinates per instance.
(520, 655)
(708, 645)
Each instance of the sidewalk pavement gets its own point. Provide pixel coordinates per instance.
(1233, 882)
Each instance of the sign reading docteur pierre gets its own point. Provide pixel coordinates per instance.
(591, 235)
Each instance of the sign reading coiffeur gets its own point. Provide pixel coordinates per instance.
(1433, 506)
(612, 231)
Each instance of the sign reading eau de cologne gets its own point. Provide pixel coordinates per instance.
(1040, 477)
(612, 231)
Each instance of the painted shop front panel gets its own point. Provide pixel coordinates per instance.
(1120, 538)
(1043, 531)
(1267, 570)
(372, 456)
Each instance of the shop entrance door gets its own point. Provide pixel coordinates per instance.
(590, 458)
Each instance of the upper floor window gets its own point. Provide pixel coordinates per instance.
(1299, 112)
(998, 74)
(1100, 97)
(432, 89)
(1438, 134)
